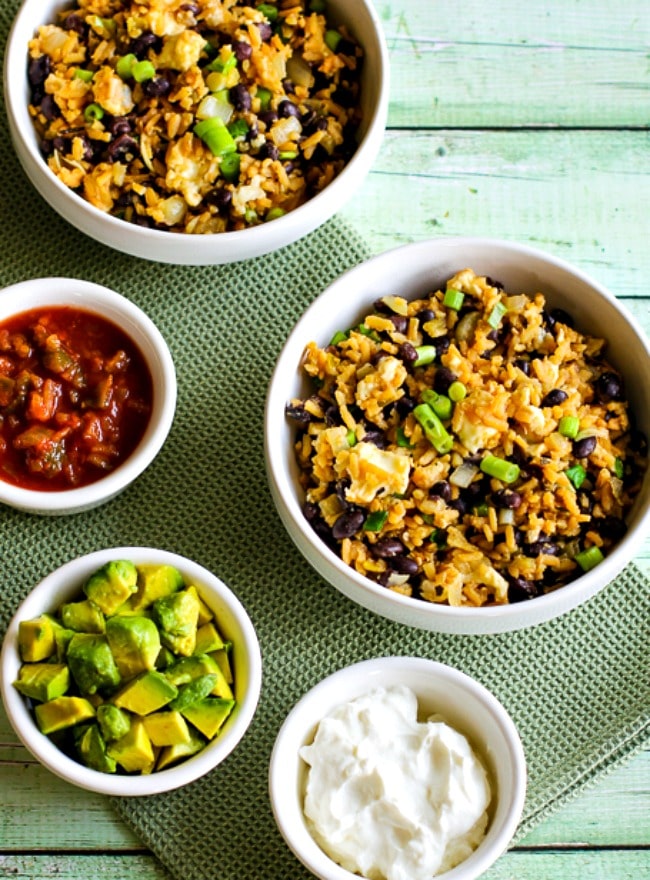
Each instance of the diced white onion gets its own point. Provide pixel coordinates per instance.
(396, 580)
(299, 72)
(506, 516)
(463, 475)
(212, 106)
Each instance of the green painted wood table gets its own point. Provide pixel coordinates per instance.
(527, 121)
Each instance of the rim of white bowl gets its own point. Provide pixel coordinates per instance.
(182, 248)
(120, 785)
(286, 500)
(108, 303)
(369, 674)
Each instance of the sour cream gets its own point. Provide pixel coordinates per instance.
(389, 797)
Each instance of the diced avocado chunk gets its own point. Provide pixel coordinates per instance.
(62, 712)
(91, 663)
(84, 616)
(222, 658)
(134, 751)
(113, 722)
(165, 658)
(155, 582)
(170, 755)
(134, 643)
(91, 748)
(167, 728)
(36, 639)
(209, 715)
(112, 584)
(189, 668)
(177, 616)
(43, 681)
(147, 693)
(208, 638)
(191, 693)
(205, 613)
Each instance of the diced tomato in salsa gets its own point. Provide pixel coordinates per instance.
(75, 398)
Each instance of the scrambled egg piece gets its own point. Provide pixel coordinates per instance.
(181, 51)
(469, 425)
(191, 169)
(373, 471)
(383, 385)
(112, 93)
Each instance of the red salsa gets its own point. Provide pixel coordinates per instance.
(75, 398)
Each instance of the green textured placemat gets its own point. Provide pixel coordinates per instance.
(578, 688)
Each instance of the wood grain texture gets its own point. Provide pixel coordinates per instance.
(484, 65)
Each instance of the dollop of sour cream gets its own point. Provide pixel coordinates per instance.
(389, 797)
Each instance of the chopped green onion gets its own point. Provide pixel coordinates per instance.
(85, 75)
(440, 404)
(223, 65)
(577, 474)
(265, 98)
(439, 537)
(215, 136)
(500, 469)
(453, 299)
(271, 12)
(457, 391)
(332, 39)
(239, 128)
(401, 438)
(124, 66)
(288, 154)
(588, 559)
(481, 509)
(142, 71)
(375, 520)
(351, 437)
(364, 330)
(93, 112)
(339, 336)
(426, 354)
(435, 431)
(229, 167)
(275, 214)
(619, 468)
(494, 318)
(569, 426)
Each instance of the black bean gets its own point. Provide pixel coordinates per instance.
(310, 511)
(287, 108)
(269, 151)
(548, 548)
(88, 146)
(442, 379)
(407, 354)
(119, 125)
(493, 336)
(441, 343)
(610, 527)
(242, 50)
(74, 22)
(403, 565)
(377, 438)
(400, 323)
(349, 522)
(298, 413)
(122, 146)
(59, 143)
(156, 87)
(507, 498)
(39, 70)
(519, 536)
(441, 489)
(584, 447)
(522, 365)
(425, 315)
(609, 387)
(340, 488)
(268, 117)
(493, 282)
(554, 397)
(266, 31)
(556, 316)
(639, 442)
(459, 505)
(404, 406)
(386, 548)
(307, 119)
(49, 108)
(147, 40)
(240, 97)
(520, 589)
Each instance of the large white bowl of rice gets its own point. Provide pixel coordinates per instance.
(196, 133)
(456, 435)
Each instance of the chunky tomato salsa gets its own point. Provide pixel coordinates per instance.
(75, 398)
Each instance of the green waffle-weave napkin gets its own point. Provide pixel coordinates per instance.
(578, 688)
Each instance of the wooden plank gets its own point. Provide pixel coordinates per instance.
(581, 196)
(517, 64)
(567, 864)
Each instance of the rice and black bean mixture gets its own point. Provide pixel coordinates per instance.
(196, 116)
(468, 448)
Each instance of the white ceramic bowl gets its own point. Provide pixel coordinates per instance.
(166, 247)
(462, 702)
(411, 271)
(74, 292)
(64, 584)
